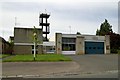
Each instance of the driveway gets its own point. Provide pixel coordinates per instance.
(96, 66)
(96, 63)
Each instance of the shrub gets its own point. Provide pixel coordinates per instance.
(114, 51)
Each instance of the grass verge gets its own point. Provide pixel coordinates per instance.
(4, 55)
(39, 58)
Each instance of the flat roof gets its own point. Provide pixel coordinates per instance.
(80, 34)
(87, 37)
(51, 43)
(26, 28)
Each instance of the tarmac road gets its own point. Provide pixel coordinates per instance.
(23, 69)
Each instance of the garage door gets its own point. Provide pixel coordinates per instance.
(94, 47)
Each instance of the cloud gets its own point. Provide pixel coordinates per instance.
(79, 15)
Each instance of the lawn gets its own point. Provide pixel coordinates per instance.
(4, 55)
(39, 58)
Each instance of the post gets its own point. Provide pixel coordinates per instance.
(70, 29)
(80, 45)
(34, 50)
(58, 44)
(107, 44)
(34, 45)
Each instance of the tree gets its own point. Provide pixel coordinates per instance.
(114, 42)
(105, 28)
(78, 33)
(98, 32)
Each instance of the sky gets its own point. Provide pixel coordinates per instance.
(66, 16)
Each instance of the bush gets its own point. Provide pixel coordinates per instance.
(119, 51)
(114, 51)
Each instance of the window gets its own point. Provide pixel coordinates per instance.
(33, 49)
(68, 40)
(33, 52)
(68, 47)
(68, 44)
(72, 47)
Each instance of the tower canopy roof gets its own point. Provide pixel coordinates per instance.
(44, 15)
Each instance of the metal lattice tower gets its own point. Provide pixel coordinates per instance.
(43, 22)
